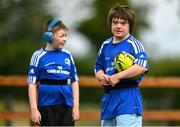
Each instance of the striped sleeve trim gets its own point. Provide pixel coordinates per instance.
(36, 57)
(32, 79)
(138, 47)
(141, 62)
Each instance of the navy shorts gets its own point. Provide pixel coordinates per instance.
(56, 115)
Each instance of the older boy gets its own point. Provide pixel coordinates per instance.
(122, 101)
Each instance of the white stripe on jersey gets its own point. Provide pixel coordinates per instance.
(36, 56)
(76, 78)
(43, 53)
(68, 52)
(33, 57)
(141, 62)
(65, 50)
(105, 42)
(134, 46)
(32, 79)
(142, 47)
(145, 63)
(138, 47)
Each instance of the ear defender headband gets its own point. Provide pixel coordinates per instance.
(48, 35)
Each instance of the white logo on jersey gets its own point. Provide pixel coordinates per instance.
(136, 107)
(59, 67)
(59, 70)
(49, 64)
(67, 61)
(32, 71)
(107, 58)
(142, 56)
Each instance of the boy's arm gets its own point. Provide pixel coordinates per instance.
(99, 75)
(32, 90)
(75, 89)
(131, 72)
(35, 115)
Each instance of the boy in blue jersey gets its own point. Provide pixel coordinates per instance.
(53, 82)
(122, 101)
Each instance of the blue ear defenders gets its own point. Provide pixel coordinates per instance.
(48, 35)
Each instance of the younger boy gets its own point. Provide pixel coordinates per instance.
(53, 81)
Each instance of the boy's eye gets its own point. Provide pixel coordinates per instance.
(62, 35)
(121, 22)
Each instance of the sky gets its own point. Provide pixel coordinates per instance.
(161, 40)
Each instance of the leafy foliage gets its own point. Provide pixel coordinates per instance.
(96, 29)
(21, 18)
(21, 24)
(164, 67)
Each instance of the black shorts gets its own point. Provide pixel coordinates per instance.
(56, 115)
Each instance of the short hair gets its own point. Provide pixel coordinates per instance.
(58, 26)
(122, 12)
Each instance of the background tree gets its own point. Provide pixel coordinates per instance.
(96, 29)
(21, 24)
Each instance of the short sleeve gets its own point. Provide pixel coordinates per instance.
(139, 53)
(33, 72)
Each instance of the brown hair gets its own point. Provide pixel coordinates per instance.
(122, 12)
(58, 26)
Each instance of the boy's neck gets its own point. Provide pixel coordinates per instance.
(118, 40)
(50, 47)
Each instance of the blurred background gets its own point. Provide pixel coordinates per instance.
(157, 26)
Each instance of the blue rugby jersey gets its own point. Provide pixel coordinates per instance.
(126, 100)
(56, 65)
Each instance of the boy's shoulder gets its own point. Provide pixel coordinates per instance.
(37, 55)
(131, 38)
(105, 43)
(108, 40)
(66, 51)
(39, 51)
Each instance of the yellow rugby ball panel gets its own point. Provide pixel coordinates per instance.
(123, 61)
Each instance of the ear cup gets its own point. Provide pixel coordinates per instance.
(48, 36)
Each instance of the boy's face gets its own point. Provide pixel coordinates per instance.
(120, 28)
(59, 39)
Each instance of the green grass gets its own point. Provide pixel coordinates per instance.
(88, 123)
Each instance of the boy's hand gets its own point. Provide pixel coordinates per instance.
(114, 79)
(75, 113)
(105, 80)
(35, 116)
